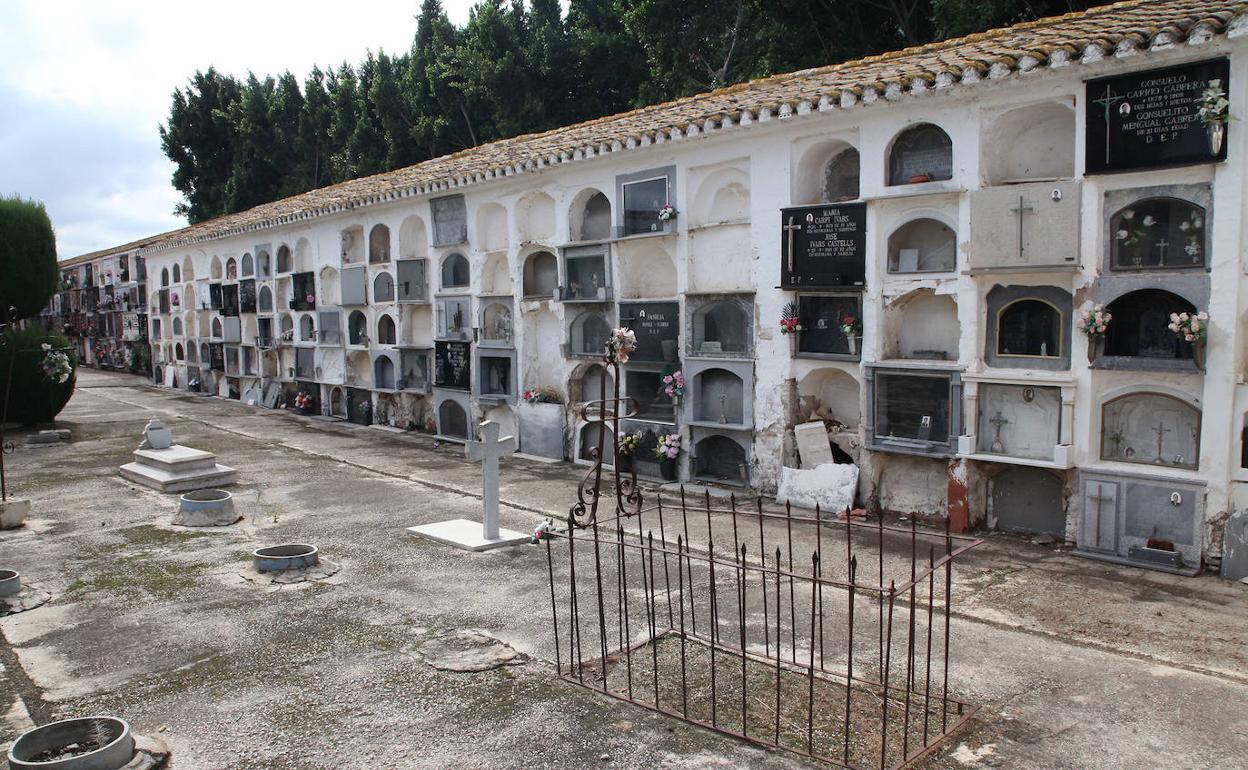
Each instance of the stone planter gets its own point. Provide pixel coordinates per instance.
(113, 755)
(542, 428)
(206, 508)
(276, 558)
(10, 582)
(13, 512)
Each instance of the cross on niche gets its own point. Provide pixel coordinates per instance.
(1021, 209)
(1161, 430)
(1108, 100)
(789, 229)
(1099, 498)
(999, 421)
(1161, 251)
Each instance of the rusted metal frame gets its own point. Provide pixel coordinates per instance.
(624, 626)
(574, 633)
(667, 578)
(888, 654)
(554, 608)
(654, 648)
(684, 682)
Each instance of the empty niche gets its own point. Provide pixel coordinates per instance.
(826, 172)
(589, 217)
(541, 275)
(455, 272)
(647, 271)
(337, 404)
(596, 437)
(720, 458)
(307, 329)
(720, 260)
(416, 323)
(285, 260)
(505, 416)
(719, 395)
(1032, 143)
(214, 269)
(248, 266)
(1140, 325)
(491, 227)
(217, 331)
(920, 153)
(413, 240)
(330, 292)
(535, 217)
(351, 245)
(496, 275)
(541, 355)
(383, 373)
(589, 384)
(383, 288)
(922, 245)
(304, 259)
(922, 325)
(385, 330)
(723, 196)
(287, 327)
(357, 328)
(588, 334)
(723, 326)
(264, 265)
(188, 268)
(231, 269)
(452, 420)
(496, 324)
(177, 273)
(379, 244)
(177, 326)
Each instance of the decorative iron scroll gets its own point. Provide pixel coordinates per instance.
(600, 412)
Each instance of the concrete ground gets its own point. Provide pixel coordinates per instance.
(1078, 664)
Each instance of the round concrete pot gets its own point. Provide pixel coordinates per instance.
(276, 558)
(56, 735)
(10, 582)
(206, 508)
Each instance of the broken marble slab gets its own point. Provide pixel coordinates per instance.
(830, 486)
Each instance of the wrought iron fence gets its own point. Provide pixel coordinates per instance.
(827, 638)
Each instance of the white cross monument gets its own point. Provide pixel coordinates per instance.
(463, 533)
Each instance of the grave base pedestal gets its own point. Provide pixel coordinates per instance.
(177, 469)
(465, 534)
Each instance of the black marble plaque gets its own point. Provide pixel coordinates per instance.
(1150, 119)
(823, 246)
(247, 296)
(657, 326)
(453, 365)
(214, 296)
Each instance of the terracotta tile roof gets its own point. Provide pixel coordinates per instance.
(125, 247)
(1121, 29)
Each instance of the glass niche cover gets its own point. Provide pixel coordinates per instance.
(586, 271)
(823, 318)
(1152, 429)
(642, 201)
(912, 407)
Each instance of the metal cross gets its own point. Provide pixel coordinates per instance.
(998, 421)
(1108, 101)
(1099, 498)
(1161, 251)
(1161, 430)
(1021, 209)
(790, 228)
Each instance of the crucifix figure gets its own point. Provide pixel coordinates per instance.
(1108, 101)
(1161, 250)
(1021, 209)
(1161, 430)
(789, 229)
(1115, 437)
(998, 421)
(723, 408)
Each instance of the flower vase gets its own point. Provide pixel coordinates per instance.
(624, 463)
(1198, 354)
(853, 345)
(667, 468)
(1094, 348)
(1217, 135)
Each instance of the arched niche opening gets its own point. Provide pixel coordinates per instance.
(357, 328)
(722, 326)
(304, 259)
(177, 273)
(383, 373)
(723, 196)
(287, 326)
(205, 353)
(188, 268)
(1157, 233)
(164, 277)
(337, 403)
(264, 265)
(922, 325)
(285, 261)
(830, 394)
(386, 330)
(647, 271)
(496, 324)
(264, 300)
(491, 227)
(351, 245)
(1032, 143)
(192, 353)
(179, 352)
(214, 269)
(595, 437)
(718, 397)
(177, 326)
(1030, 328)
(589, 218)
(452, 420)
(231, 269)
(1139, 327)
(923, 245)
(383, 288)
(217, 330)
(248, 266)
(920, 153)
(720, 458)
(535, 217)
(826, 172)
(541, 275)
(307, 329)
(455, 272)
(588, 382)
(379, 244)
(1152, 429)
(496, 274)
(588, 333)
(331, 289)
(413, 240)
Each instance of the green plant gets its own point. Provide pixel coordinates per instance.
(33, 398)
(27, 257)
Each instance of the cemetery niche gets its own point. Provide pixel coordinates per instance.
(379, 244)
(284, 263)
(1030, 327)
(357, 329)
(386, 334)
(540, 279)
(657, 327)
(823, 246)
(1151, 523)
(383, 372)
(922, 245)
(721, 459)
(496, 373)
(590, 217)
(454, 320)
(307, 329)
(383, 288)
(643, 194)
(455, 272)
(586, 276)
(497, 329)
(921, 153)
(452, 365)
(1140, 329)
(535, 217)
(414, 369)
(1020, 421)
(921, 325)
(1158, 234)
(721, 325)
(645, 386)
(1031, 143)
(720, 394)
(913, 412)
(1025, 227)
(304, 291)
(1027, 501)
(587, 334)
(450, 220)
(351, 245)
(1150, 119)
(1151, 429)
(823, 318)
(413, 281)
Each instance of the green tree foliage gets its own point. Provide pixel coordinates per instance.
(33, 398)
(28, 273)
(520, 66)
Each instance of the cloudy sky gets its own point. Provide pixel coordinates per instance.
(84, 86)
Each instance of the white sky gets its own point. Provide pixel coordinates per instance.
(85, 85)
